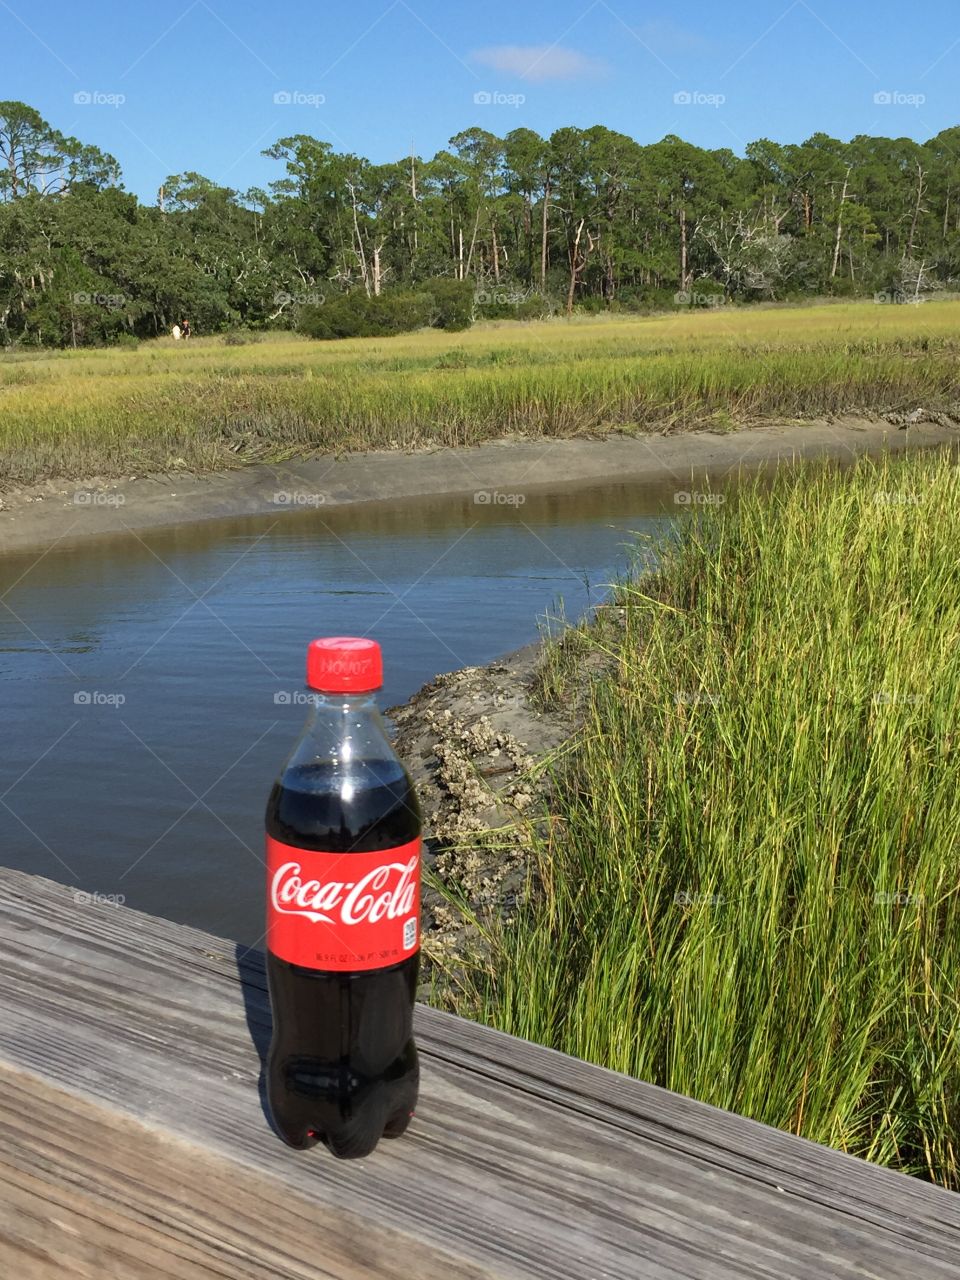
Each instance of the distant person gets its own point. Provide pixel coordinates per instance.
(185, 328)
(177, 335)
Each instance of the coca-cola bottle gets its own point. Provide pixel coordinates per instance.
(343, 916)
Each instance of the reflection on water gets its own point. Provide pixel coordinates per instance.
(149, 681)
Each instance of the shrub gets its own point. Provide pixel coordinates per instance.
(705, 292)
(342, 316)
(509, 303)
(536, 307)
(643, 300)
(451, 302)
(440, 303)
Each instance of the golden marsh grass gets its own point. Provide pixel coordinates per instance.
(207, 405)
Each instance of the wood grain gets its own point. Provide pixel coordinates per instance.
(87, 1192)
(521, 1163)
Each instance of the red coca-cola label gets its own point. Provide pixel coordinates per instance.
(343, 912)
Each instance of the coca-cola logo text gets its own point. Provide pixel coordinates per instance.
(387, 892)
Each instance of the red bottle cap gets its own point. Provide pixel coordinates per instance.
(344, 664)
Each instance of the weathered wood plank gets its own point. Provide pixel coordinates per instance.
(87, 1192)
(521, 1163)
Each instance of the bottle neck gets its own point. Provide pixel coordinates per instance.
(344, 727)
(343, 703)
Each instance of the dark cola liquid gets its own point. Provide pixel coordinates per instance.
(342, 1063)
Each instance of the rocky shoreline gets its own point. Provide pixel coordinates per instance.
(476, 742)
(481, 744)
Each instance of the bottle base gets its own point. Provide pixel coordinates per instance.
(398, 1125)
(351, 1139)
(302, 1141)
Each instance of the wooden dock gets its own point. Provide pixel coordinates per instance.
(134, 1144)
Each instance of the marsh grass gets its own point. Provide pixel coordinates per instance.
(209, 405)
(748, 889)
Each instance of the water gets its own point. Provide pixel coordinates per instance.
(149, 683)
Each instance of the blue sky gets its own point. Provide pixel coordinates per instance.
(207, 84)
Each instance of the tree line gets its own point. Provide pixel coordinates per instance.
(587, 218)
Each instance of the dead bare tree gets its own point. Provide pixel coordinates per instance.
(473, 244)
(358, 248)
(839, 235)
(579, 258)
(753, 256)
(917, 210)
(378, 272)
(543, 235)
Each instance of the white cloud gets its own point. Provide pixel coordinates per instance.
(538, 61)
(664, 36)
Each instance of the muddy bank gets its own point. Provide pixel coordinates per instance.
(61, 510)
(479, 745)
(471, 739)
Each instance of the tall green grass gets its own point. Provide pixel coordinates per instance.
(205, 405)
(748, 892)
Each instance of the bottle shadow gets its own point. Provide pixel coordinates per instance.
(252, 970)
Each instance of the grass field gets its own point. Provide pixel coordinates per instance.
(748, 888)
(207, 405)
